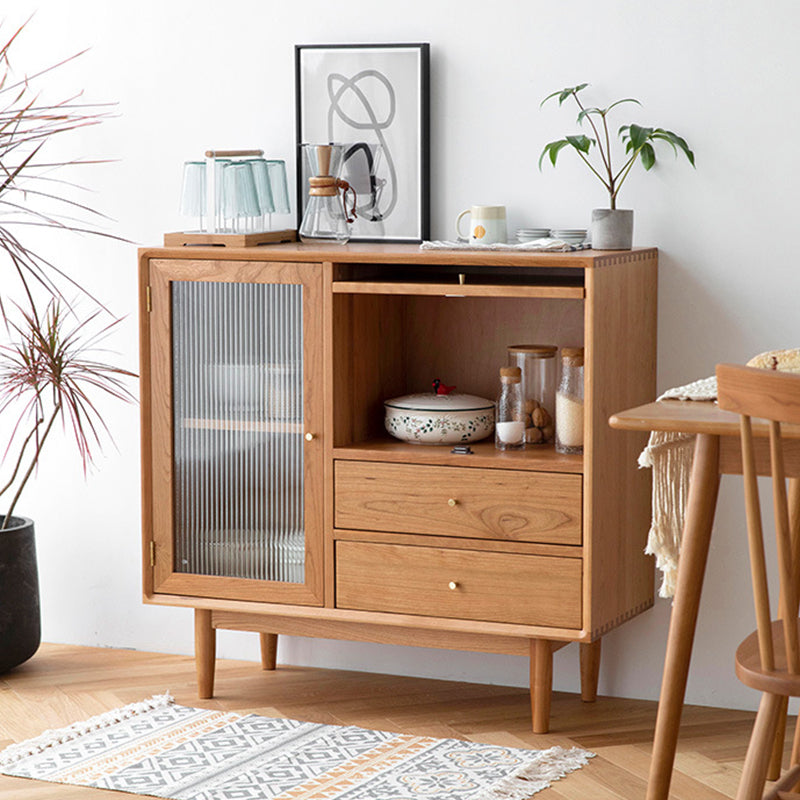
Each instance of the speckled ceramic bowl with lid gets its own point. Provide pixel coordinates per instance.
(439, 418)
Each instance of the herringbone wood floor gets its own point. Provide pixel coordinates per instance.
(63, 684)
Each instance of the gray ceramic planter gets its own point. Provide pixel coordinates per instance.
(612, 229)
(20, 631)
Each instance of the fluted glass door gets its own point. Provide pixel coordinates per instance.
(242, 515)
(238, 399)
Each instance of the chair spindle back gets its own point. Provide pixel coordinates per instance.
(774, 397)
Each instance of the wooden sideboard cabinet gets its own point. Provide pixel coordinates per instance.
(275, 502)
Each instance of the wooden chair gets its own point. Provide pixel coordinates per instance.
(769, 659)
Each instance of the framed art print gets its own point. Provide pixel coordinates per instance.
(374, 100)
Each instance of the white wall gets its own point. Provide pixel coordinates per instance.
(187, 77)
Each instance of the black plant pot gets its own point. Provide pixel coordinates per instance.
(20, 629)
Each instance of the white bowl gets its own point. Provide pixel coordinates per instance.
(439, 418)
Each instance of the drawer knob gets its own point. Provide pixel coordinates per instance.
(453, 585)
(452, 502)
(310, 437)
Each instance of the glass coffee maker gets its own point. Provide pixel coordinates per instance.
(326, 217)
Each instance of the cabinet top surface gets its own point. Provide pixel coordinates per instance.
(400, 253)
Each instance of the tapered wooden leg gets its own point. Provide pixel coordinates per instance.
(205, 652)
(759, 751)
(590, 670)
(776, 761)
(541, 684)
(794, 524)
(795, 758)
(269, 650)
(702, 502)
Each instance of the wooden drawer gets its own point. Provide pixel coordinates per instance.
(459, 501)
(496, 587)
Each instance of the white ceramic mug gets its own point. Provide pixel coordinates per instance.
(487, 224)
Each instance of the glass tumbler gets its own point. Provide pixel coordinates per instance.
(217, 165)
(266, 205)
(280, 189)
(193, 191)
(240, 206)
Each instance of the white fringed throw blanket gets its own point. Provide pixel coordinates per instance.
(670, 457)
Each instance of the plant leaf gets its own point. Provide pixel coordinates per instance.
(564, 94)
(580, 142)
(681, 143)
(625, 100)
(553, 149)
(586, 111)
(647, 155)
(639, 136)
(664, 136)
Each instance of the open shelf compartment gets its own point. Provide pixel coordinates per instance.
(388, 344)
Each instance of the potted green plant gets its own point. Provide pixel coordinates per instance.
(48, 365)
(612, 228)
(47, 373)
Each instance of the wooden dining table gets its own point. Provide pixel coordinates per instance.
(716, 452)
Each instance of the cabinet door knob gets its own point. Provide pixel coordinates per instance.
(453, 585)
(310, 437)
(452, 502)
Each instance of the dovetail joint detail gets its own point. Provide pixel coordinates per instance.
(603, 629)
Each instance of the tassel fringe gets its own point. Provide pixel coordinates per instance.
(15, 752)
(670, 456)
(550, 765)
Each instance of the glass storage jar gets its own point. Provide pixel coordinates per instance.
(537, 363)
(509, 424)
(569, 402)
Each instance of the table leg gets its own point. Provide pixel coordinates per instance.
(702, 501)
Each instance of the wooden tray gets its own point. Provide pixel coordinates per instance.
(229, 239)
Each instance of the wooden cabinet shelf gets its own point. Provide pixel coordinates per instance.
(484, 454)
(458, 290)
(299, 514)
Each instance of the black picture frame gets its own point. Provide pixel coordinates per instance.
(375, 100)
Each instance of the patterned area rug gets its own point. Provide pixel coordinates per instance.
(162, 749)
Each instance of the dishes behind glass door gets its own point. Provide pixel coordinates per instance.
(257, 391)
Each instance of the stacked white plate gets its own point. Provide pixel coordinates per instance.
(531, 234)
(570, 235)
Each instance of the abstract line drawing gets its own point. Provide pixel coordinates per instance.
(340, 85)
(374, 99)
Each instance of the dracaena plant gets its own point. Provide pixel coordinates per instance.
(639, 142)
(33, 193)
(50, 371)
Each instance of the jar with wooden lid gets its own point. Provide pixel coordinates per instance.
(569, 402)
(509, 422)
(537, 363)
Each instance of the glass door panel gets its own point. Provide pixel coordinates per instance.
(236, 384)
(237, 355)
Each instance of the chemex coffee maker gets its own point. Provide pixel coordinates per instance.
(326, 217)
